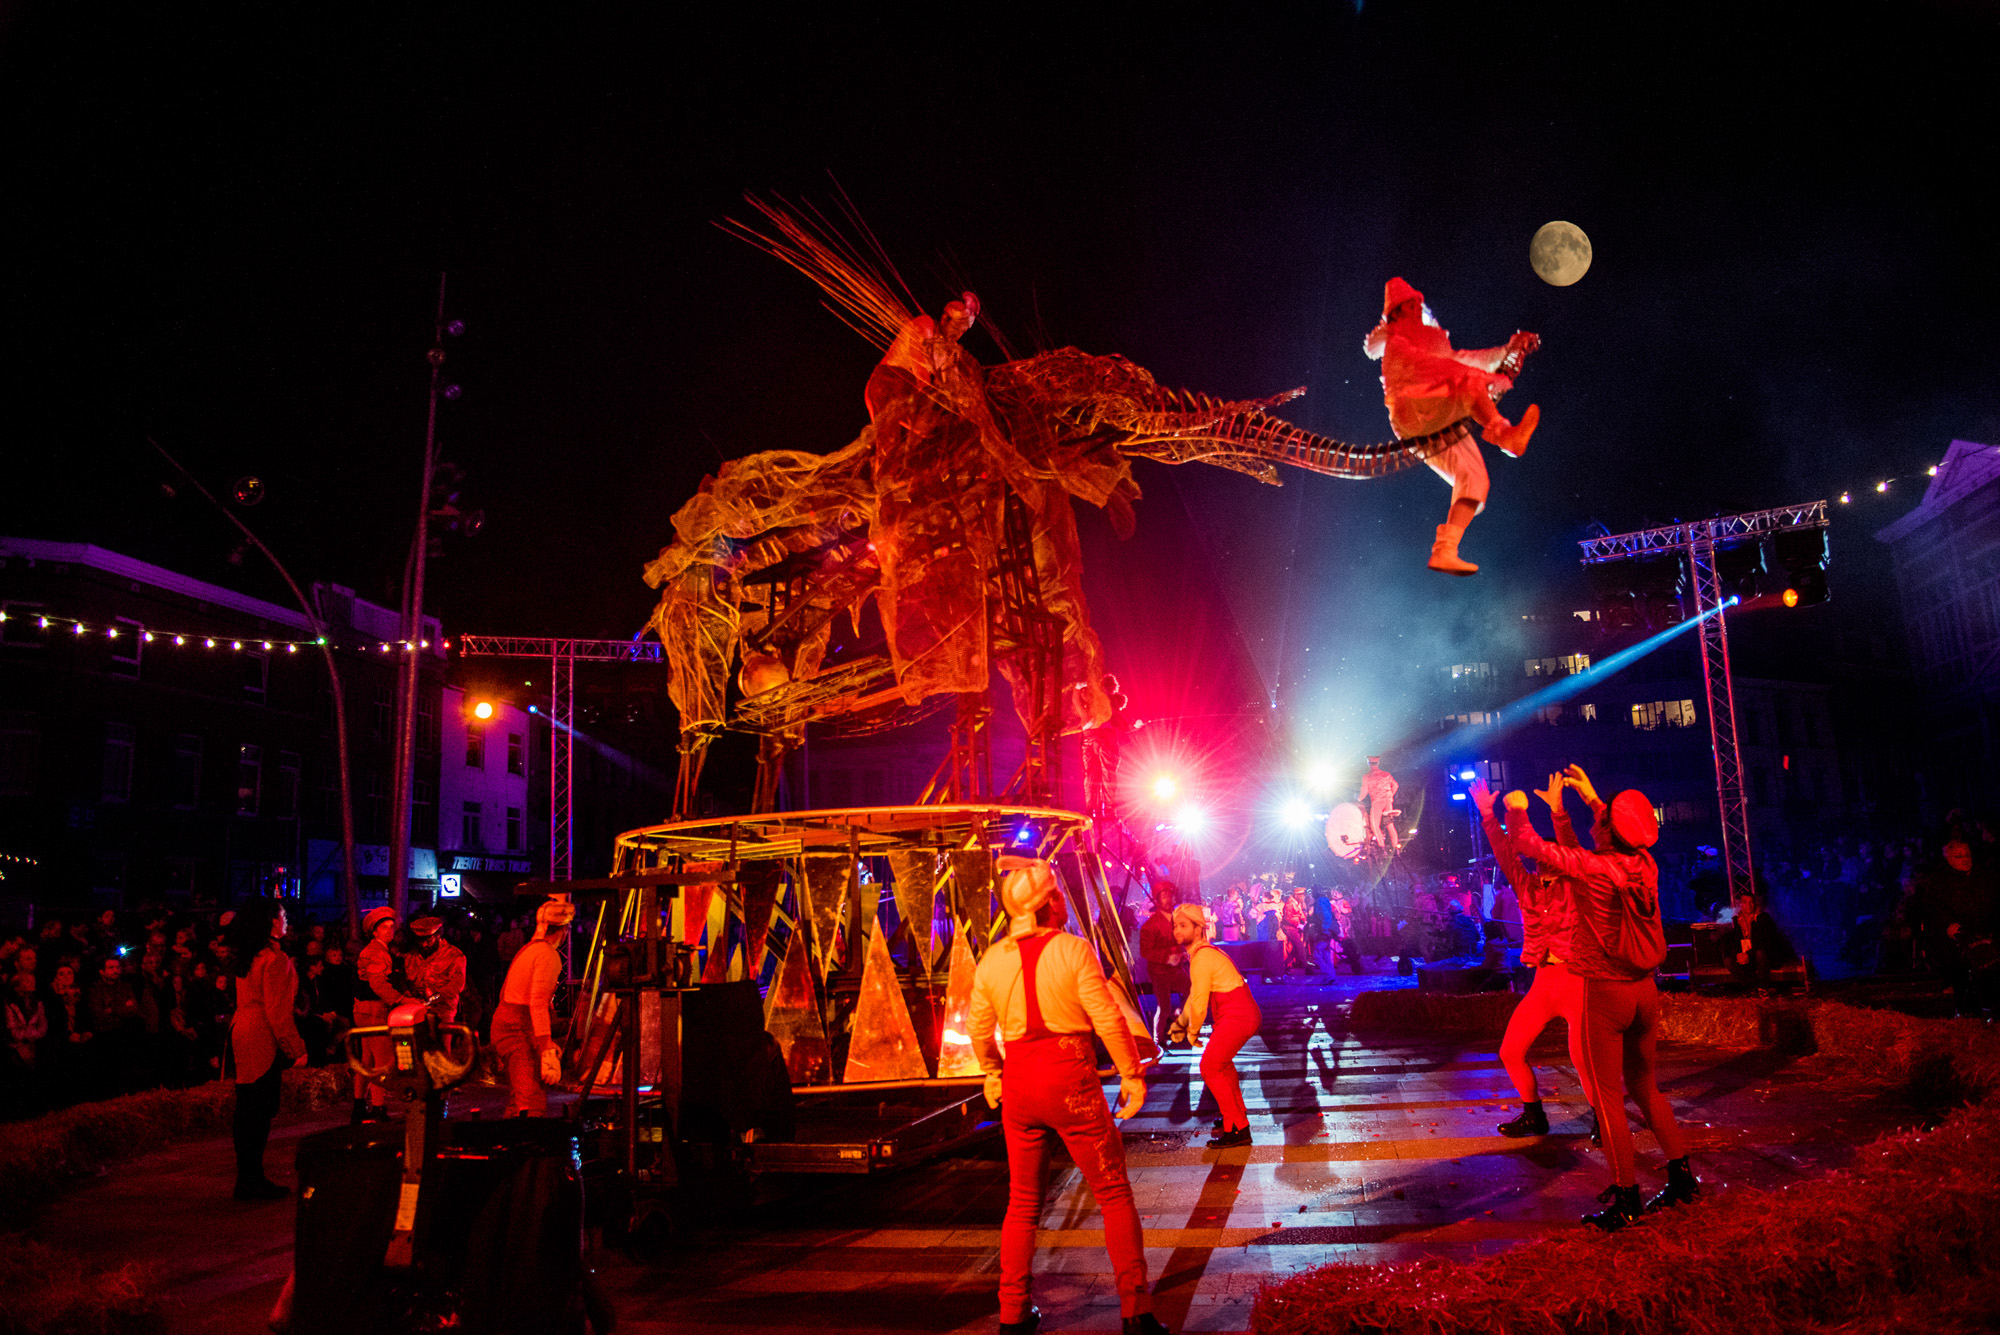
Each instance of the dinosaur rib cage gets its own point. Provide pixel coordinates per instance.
(1187, 427)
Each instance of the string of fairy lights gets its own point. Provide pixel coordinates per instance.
(1882, 487)
(79, 629)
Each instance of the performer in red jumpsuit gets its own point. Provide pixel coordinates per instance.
(376, 997)
(523, 1023)
(1428, 385)
(1548, 920)
(436, 969)
(1214, 981)
(1621, 1005)
(1043, 991)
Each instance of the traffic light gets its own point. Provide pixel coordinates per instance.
(1803, 555)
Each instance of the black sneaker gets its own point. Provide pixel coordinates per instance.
(1681, 1187)
(1229, 1140)
(1533, 1121)
(1144, 1324)
(1027, 1325)
(1623, 1207)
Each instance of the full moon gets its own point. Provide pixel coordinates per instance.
(1560, 253)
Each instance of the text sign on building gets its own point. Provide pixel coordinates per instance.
(463, 862)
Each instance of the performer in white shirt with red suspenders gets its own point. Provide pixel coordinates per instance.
(1043, 990)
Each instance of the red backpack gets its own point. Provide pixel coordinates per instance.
(1640, 943)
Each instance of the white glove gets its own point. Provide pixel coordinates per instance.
(1131, 1095)
(992, 1091)
(551, 1066)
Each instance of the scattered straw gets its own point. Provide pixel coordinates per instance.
(1404, 1008)
(1904, 1240)
(51, 1292)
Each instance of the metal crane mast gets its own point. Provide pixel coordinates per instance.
(1700, 539)
(562, 656)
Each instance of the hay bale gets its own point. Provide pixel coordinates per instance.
(51, 1292)
(38, 1156)
(1904, 1236)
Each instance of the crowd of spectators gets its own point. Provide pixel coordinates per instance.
(107, 1003)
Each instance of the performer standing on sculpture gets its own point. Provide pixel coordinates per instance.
(1378, 796)
(1043, 991)
(523, 1024)
(1619, 943)
(1215, 981)
(1548, 921)
(1428, 385)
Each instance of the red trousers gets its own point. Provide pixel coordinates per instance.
(375, 1052)
(514, 1040)
(1556, 992)
(1621, 1025)
(1050, 1087)
(1236, 1020)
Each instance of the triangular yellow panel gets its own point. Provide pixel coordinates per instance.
(915, 873)
(791, 1015)
(884, 1046)
(827, 875)
(972, 877)
(955, 1055)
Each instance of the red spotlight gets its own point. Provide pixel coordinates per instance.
(1165, 786)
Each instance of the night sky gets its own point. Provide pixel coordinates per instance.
(225, 231)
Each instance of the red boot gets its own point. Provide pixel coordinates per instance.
(1514, 439)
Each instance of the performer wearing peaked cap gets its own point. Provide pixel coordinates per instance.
(1044, 991)
(1618, 943)
(1428, 385)
(436, 969)
(523, 1023)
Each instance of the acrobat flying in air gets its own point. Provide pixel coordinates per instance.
(1428, 385)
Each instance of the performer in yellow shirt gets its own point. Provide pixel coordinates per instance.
(1214, 981)
(1043, 990)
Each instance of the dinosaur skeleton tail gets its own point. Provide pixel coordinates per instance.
(1187, 427)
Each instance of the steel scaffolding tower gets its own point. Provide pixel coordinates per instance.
(1700, 539)
(562, 656)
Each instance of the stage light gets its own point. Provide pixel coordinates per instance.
(1296, 813)
(1881, 486)
(1933, 470)
(1321, 776)
(1791, 597)
(1165, 786)
(1846, 499)
(1458, 797)
(483, 710)
(1468, 775)
(1191, 819)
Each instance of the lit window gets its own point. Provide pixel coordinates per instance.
(1587, 712)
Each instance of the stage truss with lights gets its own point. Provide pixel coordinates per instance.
(1702, 541)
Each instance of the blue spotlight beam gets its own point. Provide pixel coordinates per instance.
(1514, 715)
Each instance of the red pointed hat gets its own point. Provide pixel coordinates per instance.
(1395, 292)
(1633, 821)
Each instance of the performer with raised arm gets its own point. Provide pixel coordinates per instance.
(1618, 942)
(1428, 385)
(1214, 980)
(1043, 991)
(1548, 920)
(1378, 797)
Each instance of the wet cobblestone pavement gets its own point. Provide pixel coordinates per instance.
(1367, 1148)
